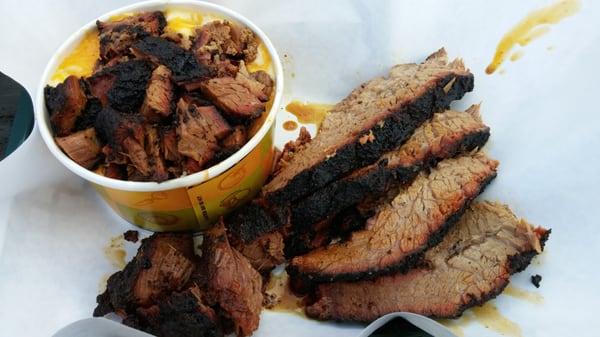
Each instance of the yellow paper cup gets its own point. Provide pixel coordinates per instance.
(192, 202)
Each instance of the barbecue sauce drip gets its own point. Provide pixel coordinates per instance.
(309, 113)
(530, 28)
(81, 61)
(290, 125)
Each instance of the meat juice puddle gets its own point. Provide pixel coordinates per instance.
(534, 25)
(115, 252)
(281, 298)
(309, 113)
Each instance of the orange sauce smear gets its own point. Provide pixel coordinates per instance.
(290, 125)
(309, 113)
(530, 28)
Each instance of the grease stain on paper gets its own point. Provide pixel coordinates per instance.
(530, 28)
(524, 295)
(280, 297)
(486, 315)
(309, 113)
(489, 316)
(115, 252)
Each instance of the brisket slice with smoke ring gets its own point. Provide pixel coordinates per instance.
(444, 136)
(402, 228)
(470, 266)
(375, 118)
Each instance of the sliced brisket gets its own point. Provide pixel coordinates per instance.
(402, 228)
(375, 118)
(444, 136)
(470, 266)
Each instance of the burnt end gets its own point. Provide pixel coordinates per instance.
(395, 130)
(310, 279)
(252, 221)
(131, 236)
(127, 92)
(89, 114)
(181, 62)
(180, 316)
(65, 104)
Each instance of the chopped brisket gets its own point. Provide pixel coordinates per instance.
(169, 144)
(159, 95)
(82, 146)
(197, 139)
(181, 62)
(116, 37)
(402, 228)
(375, 118)
(290, 149)
(264, 253)
(164, 263)
(122, 86)
(236, 139)
(444, 136)
(158, 169)
(65, 104)
(257, 88)
(220, 39)
(219, 126)
(266, 80)
(471, 265)
(233, 98)
(232, 283)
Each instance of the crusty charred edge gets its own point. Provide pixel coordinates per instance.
(348, 191)
(309, 279)
(516, 263)
(396, 129)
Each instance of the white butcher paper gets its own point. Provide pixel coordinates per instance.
(545, 131)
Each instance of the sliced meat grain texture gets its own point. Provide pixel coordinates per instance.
(232, 282)
(402, 228)
(376, 117)
(470, 266)
(444, 136)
